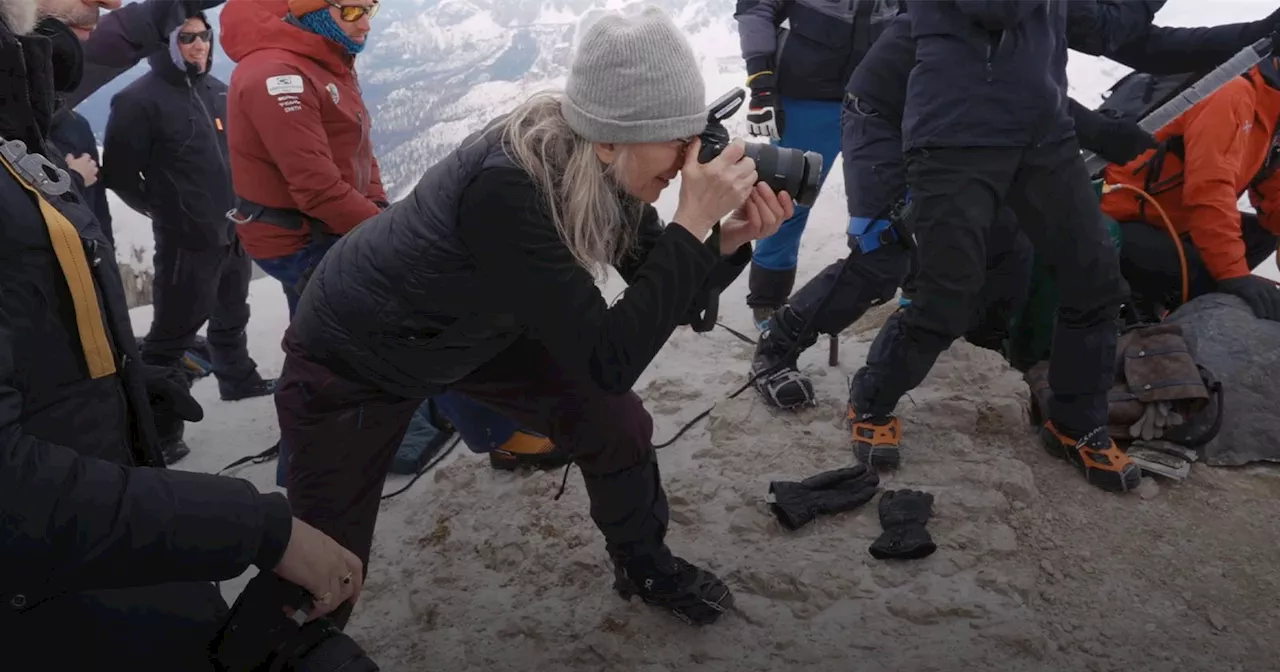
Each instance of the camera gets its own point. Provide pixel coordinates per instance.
(783, 169)
(258, 636)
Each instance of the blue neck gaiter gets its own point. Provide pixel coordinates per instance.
(321, 23)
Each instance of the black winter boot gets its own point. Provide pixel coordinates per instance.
(630, 508)
(773, 370)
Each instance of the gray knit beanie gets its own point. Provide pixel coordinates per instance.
(635, 79)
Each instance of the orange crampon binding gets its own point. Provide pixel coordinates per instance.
(875, 439)
(1103, 464)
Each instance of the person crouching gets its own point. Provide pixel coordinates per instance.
(482, 282)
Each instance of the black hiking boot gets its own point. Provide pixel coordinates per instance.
(875, 439)
(773, 369)
(173, 451)
(694, 595)
(252, 386)
(1096, 456)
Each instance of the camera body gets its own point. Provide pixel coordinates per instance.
(259, 637)
(782, 168)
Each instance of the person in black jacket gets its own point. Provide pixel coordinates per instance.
(875, 180)
(104, 554)
(72, 137)
(165, 155)
(481, 283)
(796, 76)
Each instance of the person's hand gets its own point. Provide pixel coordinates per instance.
(1120, 142)
(168, 393)
(758, 218)
(84, 165)
(709, 191)
(313, 560)
(764, 117)
(1262, 295)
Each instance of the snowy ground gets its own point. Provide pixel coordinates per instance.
(1036, 570)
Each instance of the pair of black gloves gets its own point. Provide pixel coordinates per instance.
(903, 513)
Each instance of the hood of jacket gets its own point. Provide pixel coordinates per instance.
(170, 64)
(257, 25)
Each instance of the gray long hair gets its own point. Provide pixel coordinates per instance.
(594, 218)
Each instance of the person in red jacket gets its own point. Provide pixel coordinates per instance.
(302, 164)
(1221, 148)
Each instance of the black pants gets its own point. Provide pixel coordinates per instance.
(194, 286)
(1149, 260)
(957, 193)
(342, 435)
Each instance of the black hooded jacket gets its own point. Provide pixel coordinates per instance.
(80, 523)
(165, 152)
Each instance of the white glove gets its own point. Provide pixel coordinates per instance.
(763, 123)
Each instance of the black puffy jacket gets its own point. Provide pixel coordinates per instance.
(165, 152)
(424, 293)
(75, 518)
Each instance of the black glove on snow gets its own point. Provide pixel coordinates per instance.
(1262, 295)
(796, 504)
(903, 514)
(167, 391)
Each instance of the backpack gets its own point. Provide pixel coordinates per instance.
(1138, 94)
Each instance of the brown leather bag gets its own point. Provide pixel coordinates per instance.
(1157, 382)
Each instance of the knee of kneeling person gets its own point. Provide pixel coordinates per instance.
(607, 433)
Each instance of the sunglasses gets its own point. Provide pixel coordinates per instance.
(353, 13)
(188, 38)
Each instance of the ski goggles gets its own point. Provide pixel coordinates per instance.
(353, 13)
(188, 38)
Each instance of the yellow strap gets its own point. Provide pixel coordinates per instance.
(75, 268)
(762, 72)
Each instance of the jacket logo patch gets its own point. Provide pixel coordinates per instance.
(289, 103)
(333, 92)
(282, 84)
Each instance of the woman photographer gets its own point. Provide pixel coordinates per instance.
(481, 282)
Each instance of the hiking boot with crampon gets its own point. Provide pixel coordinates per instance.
(875, 439)
(773, 369)
(694, 595)
(1096, 455)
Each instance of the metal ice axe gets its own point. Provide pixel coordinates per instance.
(1234, 67)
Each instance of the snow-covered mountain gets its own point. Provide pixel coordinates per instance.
(439, 69)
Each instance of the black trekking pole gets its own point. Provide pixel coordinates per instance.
(1218, 77)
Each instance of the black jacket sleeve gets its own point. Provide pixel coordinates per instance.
(70, 523)
(1099, 27)
(1174, 50)
(128, 35)
(726, 270)
(126, 150)
(524, 269)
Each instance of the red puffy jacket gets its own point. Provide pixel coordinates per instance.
(297, 128)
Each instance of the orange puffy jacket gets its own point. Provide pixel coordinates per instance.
(1226, 139)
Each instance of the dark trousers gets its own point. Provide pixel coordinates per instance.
(289, 269)
(194, 286)
(342, 435)
(1149, 260)
(957, 194)
(875, 177)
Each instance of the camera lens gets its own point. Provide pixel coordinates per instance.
(789, 170)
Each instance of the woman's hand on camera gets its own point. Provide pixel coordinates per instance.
(313, 560)
(709, 191)
(758, 218)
